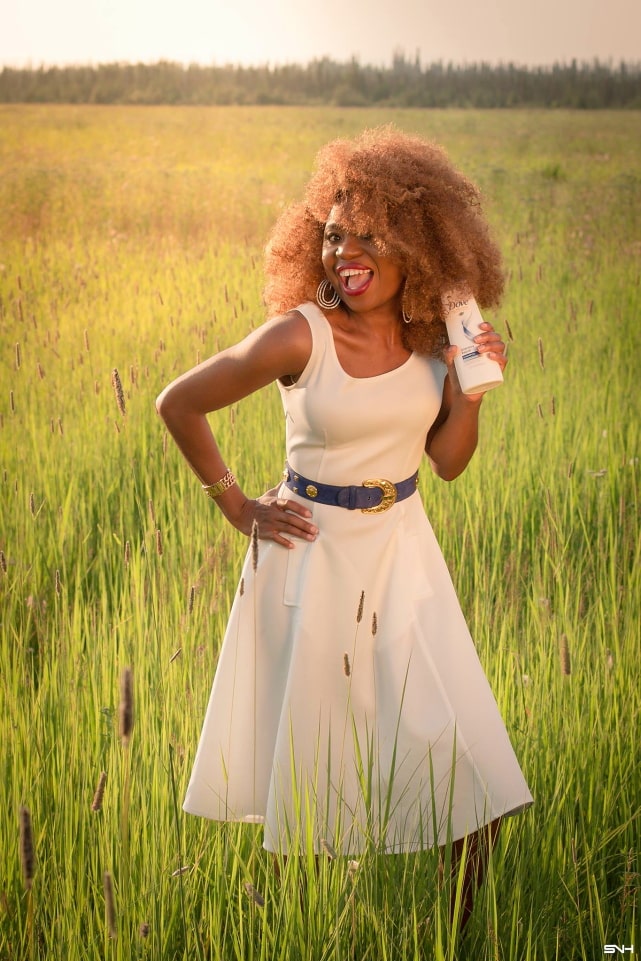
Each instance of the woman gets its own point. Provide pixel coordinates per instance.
(349, 706)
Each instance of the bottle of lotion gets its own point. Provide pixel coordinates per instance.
(476, 372)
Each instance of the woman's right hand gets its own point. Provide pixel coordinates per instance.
(278, 519)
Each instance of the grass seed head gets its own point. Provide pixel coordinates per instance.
(254, 540)
(254, 895)
(3, 562)
(110, 906)
(565, 656)
(374, 624)
(158, 542)
(329, 850)
(192, 596)
(116, 383)
(347, 670)
(541, 356)
(361, 604)
(127, 553)
(96, 804)
(126, 707)
(27, 856)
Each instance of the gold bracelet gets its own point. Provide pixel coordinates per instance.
(225, 482)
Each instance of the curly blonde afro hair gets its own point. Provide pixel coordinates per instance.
(406, 193)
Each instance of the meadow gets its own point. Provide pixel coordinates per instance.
(131, 241)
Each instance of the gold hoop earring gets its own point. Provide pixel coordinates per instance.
(407, 317)
(326, 296)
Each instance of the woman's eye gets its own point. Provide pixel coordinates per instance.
(333, 238)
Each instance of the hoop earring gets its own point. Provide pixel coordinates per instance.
(326, 296)
(407, 318)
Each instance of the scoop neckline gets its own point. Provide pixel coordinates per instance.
(385, 373)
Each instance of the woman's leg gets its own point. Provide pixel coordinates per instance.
(477, 853)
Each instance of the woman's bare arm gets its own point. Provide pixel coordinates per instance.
(278, 349)
(453, 437)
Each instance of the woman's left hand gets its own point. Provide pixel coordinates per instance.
(489, 344)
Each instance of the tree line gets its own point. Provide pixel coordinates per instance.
(406, 83)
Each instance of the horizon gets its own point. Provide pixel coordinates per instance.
(611, 63)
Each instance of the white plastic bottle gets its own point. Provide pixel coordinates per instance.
(477, 373)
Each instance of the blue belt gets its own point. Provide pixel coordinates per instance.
(372, 497)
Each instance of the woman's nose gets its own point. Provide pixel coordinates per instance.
(349, 246)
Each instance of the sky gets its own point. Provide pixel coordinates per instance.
(524, 32)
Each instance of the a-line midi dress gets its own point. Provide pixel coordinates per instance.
(349, 704)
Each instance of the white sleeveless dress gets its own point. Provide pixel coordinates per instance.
(349, 705)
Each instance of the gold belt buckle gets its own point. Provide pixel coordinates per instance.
(389, 496)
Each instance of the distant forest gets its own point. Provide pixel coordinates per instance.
(406, 83)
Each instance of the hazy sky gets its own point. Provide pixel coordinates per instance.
(277, 31)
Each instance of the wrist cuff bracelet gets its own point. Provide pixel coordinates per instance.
(225, 482)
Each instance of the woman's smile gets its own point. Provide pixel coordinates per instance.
(354, 279)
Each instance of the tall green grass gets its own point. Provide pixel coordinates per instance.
(131, 239)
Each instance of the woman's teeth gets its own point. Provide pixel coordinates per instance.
(354, 278)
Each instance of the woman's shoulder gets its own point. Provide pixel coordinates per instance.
(304, 330)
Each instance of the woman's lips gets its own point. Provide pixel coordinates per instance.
(354, 280)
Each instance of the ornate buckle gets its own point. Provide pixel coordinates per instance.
(389, 495)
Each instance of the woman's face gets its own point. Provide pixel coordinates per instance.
(364, 277)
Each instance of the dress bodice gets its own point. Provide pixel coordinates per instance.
(342, 429)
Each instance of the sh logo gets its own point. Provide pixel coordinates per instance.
(617, 949)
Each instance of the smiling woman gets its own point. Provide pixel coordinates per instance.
(386, 734)
(401, 195)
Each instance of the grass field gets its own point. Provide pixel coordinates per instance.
(130, 239)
